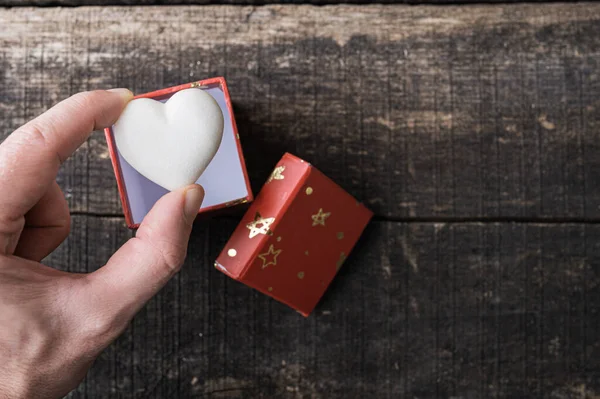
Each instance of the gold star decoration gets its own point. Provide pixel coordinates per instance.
(319, 218)
(277, 174)
(265, 257)
(260, 225)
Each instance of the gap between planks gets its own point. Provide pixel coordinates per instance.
(416, 220)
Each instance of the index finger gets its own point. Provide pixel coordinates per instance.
(31, 156)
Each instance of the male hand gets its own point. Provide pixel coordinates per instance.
(54, 324)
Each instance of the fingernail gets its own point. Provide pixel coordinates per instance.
(125, 93)
(193, 199)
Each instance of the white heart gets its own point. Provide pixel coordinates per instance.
(171, 143)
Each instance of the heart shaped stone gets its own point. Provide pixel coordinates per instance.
(170, 143)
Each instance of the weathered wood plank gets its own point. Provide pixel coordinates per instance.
(419, 310)
(71, 3)
(422, 112)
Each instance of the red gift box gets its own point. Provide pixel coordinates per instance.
(225, 180)
(295, 236)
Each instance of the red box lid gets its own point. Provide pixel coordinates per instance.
(295, 236)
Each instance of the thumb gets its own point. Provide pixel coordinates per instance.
(141, 267)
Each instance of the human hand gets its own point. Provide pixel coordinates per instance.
(54, 324)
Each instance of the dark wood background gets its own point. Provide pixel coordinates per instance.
(76, 3)
(473, 133)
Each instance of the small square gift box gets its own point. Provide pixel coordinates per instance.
(295, 236)
(225, 179)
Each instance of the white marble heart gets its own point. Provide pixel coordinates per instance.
(170, 144)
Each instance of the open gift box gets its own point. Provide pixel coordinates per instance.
(294, 237)
(225, 180)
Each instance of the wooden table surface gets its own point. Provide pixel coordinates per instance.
(473, 133)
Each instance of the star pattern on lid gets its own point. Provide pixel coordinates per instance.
(320, 217)
(260, 225)
(270, 257)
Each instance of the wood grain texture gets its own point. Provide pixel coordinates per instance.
(422, 112)
(426, 310)
(75, 3)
